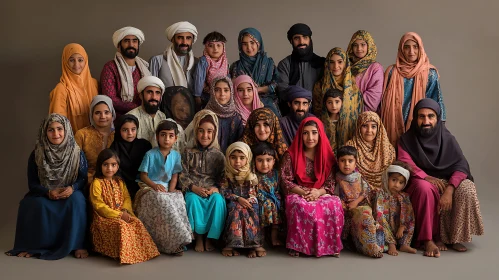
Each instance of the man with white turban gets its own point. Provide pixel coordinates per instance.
(120, 76)
(176, 65)
(151, 91)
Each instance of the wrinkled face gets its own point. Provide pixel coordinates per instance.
(55, 133)
(151, 96)
(237, 160)
(427, 120)
(347, 164)
(359, 48)
(310, 136)
(245, 92)
(333, 105)
(102, 116)
(249, 46)
(396, 183)
(368, 131)
(301, 41)
(336, 65)
(215, 49)
(129, 46)
(181, 108)
(299, 107)
(205, 134)
(264, 163)
(222, 92)
(128, 131)
(411, 50)
(182, 43)
(110, 167)
(262, 130)
(166, 138)
(76, 63)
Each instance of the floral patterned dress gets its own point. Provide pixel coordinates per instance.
(401, 214)
(269, 199)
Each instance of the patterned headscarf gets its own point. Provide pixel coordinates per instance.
(260, 67)
(191, 130)
(276, 139)
(372, 160)
(245, 173)
(243, 111)
(57, 164)
(364, 63)
(216, 68)
(223, 111)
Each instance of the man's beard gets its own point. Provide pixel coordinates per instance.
(426, 131)
(299, 118)
(150, 108)
(180, 51)
(126, 54)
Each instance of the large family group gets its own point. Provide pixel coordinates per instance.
(316, 154)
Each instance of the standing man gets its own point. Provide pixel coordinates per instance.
(176, 65)
(299, 100)
(119, 77)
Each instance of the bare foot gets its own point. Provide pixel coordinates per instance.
(441, 246)
(24, 255)
(235, 253)
(392, 250)
(252, 254)
(227, 252)
(81, 254)
(260, 252)
(459, 247)
(293, 253)
(199, 244)
(336, 255)
(209, 245)
(378, 255)
(274, 235)
(408, 249)
(431, 249)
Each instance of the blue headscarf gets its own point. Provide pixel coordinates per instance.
(260, 67)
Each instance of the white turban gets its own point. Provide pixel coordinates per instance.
(125, 31)
(400, 170)
(149, 81)
(180, 27)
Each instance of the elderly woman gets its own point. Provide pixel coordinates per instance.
(52, 218)
(76, 88)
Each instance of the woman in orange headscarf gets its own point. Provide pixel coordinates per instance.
(76, 88)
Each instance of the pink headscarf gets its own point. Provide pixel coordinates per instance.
(216, 68)
(243, 111)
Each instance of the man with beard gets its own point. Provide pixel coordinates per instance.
(441, 187)
(176, 65)
(120, 76)
(303, 67)
(299, 102)
(151, 92)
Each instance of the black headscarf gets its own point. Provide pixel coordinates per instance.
(298, 55)
(438, 154)
(166, 104)
(130, 153)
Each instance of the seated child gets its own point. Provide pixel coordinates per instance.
(242, 227)
(401, 214)
(116, 232)
(331, 107)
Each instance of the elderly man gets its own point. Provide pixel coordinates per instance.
(299, 103)
(176, 65)
(151, 92)
(120, 76)
(441, 188)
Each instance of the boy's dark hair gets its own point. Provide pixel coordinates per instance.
(403, 165)
(103, 156)
(334, 93)
(214, 37)
(346, 151)
(263, 148)
(166, 125)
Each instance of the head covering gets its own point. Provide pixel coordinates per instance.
(323, 161)
(101, 98)
(394, 169)
(289, 123)
(191, 130)
(362, 64)
(439, 154)
(244, 173)
(260, 67)
(166, 105)
(329, 126)
(57, 164)
(276, 138)
(150, 81)
(223, 111)
(121, 33)
(391, 109)
(181, 27)
(243, 111)
(372, 160)
(218, 67)
(292, 92)
(299, 55)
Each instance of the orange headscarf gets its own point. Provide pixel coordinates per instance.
(74, 93)
(393, 97)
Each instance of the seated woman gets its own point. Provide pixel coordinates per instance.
(52, 218)
(263, 126)
(222, 104)
(314, 214)
(246, 96)
(338, 75)
(130, 151)
(177, 104)
(73, 94)
(254, 62)
(100, 134)
(203, 168)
